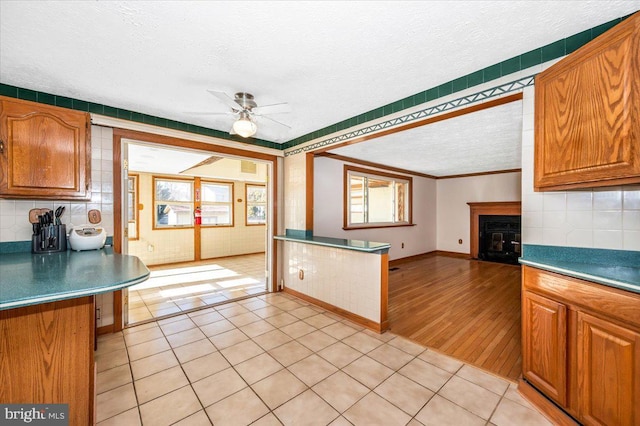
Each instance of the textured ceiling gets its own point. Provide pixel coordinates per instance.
(483, 141)
(329, 60)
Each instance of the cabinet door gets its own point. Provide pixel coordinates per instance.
(45, 151)
(587, 131)
(544, 341)
(608, 372)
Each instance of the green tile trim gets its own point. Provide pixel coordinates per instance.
(534, 57)
(109, 111)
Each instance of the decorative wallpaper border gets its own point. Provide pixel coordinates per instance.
(512, 65)
(513, 86)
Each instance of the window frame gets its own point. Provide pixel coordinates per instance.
(374, 174)
(246, 204)
(230, 202)
(136, 210)
(154, 225)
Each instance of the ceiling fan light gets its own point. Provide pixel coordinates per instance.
(244, 126)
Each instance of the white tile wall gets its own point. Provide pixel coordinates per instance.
(347, 279)
(177, 245)
(295, 192)
(606, 218)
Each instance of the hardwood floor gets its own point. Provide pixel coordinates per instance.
(463, 308)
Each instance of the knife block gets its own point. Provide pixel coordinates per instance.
(50, 239)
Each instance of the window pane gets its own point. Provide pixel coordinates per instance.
(130, 207)
(168, 190)
(380, 200)
(256, 214)
(356, 196)
(216, 214)
(256, 194)
(174, 214)
(216, 193)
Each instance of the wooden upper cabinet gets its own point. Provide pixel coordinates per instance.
(45, 151)
(587, 114)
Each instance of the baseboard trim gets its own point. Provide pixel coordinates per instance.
(421, 256)
(105, 329)
(453, 254)
(551, 411)
(367, 323)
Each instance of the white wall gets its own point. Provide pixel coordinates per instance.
(453, 215)
(607, 218)
(328, 189)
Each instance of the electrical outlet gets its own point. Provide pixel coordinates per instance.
(402, 245)
(460, 241)
(150, 248)
(301, 274)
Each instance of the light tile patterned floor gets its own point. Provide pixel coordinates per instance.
(274, 359)
(179, 288)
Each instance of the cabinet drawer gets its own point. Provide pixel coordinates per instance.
(612, 303)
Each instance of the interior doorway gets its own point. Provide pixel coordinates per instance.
(199, 221)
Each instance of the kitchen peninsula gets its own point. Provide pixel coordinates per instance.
(47, 324)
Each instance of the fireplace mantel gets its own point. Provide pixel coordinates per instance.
(507, 208)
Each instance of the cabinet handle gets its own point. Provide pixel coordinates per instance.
(1, 146)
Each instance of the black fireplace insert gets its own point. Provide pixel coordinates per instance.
(499, 238)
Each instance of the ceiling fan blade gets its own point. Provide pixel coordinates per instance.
(272, 109)
(232, 131)
(209, 113)
(226, 99)
(275, 121)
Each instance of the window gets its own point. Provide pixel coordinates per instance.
(217, 204)
(132, 205)
(173, 203)
(376, 199)
(256, 196)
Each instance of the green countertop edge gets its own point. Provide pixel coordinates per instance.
(8, 247)
(134, 275)
(341, 243)
(613, 268)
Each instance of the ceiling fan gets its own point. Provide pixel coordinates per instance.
(246, 109)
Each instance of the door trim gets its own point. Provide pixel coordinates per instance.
(119, 134)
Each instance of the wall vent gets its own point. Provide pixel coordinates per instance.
(248, 167)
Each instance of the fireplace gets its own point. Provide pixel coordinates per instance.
(486, 237)
(499, 238)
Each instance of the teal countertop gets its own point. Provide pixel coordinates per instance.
(30, 279)
(614, 268)
(342, 243)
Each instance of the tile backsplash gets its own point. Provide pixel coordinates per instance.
(607, 218)
(14, 214)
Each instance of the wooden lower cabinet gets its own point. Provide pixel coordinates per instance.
(544, 337)
(581, 347)
(608, 372)
(46, 356)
